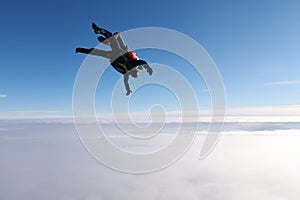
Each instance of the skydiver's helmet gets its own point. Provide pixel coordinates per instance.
(133, 55)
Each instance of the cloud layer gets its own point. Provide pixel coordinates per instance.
(45, 160)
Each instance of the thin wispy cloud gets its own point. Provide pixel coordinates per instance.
(3, 96)
(36, 111)
(204, 90)
(34, 114)
(282, 83)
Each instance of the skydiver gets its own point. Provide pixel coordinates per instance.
(124, 61)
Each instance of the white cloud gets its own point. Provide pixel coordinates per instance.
(34, 114)
(3, 96)
(289, 113)
(278, 83)
(36, 111)
(242, 166)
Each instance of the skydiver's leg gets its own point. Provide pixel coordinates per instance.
(103, 40)
(114, 41)
(116, 51)
(95, 52)
(102, 31)
(121, 42)
(110, 40)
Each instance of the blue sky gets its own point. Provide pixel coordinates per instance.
(255, 45)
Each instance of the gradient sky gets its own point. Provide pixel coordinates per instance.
(255, 45)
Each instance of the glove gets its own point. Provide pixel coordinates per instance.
(128, 92)
(150, 71)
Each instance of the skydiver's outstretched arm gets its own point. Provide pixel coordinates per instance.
(144, 64)
(126, 79)
(148, 68)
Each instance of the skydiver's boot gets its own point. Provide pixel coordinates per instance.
(78, 50)
(96, 28)
(83, 50)
(103, 40)
(102, 31)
